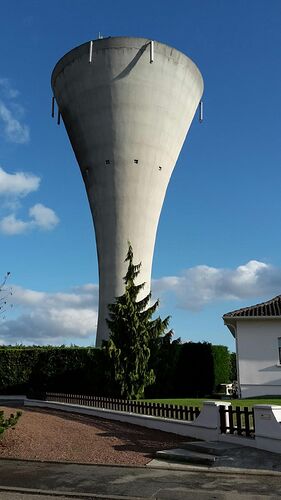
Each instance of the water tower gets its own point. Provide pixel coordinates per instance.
(127, 105)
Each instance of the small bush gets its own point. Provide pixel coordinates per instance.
(11, 421)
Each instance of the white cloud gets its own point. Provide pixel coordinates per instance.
(14, 131)
(19, 184)
(202, 285)
(11, 114)
(13, 187)
(52, 317)
(7, 90)
(43, 217)
(80, 297)
(10, 225)
(71, 316)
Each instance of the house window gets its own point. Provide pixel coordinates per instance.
(279, 350)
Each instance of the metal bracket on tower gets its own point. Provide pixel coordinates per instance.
(151, 51)
(201, 110)
(59, 115)
(53, 106)
(91, 51)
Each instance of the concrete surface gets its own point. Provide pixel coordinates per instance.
(213, 447)
(30, 494)
(126, 118)
(13, 495)
(132, 482)
(183, 455)
(188, 495)
(230, 459)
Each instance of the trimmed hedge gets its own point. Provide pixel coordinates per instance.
(194, 374)
(192, 369)
(222, 365)
(33, 370)
(233, 367)
(182, 370)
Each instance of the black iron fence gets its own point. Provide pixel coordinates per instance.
(163, 410)
(238, 421)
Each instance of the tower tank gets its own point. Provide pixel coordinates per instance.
(127, 105)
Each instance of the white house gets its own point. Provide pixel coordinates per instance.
(257, 331)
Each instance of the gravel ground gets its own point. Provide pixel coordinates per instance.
(56, 436)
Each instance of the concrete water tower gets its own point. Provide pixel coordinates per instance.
(127, 105)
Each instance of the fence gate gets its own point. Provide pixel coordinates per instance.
(237, 421)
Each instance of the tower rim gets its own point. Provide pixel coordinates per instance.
(119, 42)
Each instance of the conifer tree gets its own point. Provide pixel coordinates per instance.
(132, 334)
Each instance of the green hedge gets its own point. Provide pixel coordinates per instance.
(32, 370)
(191, 369)
(194, 375)
(233, 369)
(222, 365)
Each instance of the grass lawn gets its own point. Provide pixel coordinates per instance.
(269, 400)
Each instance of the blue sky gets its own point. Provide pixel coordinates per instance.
(218, 243)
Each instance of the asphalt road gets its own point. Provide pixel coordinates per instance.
(94, 481)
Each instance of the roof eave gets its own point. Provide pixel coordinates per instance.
(227, 318)
(231, 325)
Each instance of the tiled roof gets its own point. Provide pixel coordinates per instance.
(271, 308)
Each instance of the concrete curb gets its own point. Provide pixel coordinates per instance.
(62, 494)
(88, 464)
(169, 466)
(173, 466)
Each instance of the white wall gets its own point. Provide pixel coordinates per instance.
(257, 350)
(205, 426)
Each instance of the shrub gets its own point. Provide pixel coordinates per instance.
(34, 370)
(11, 421)
(233, 367)
(194, 372)
(222, 365)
